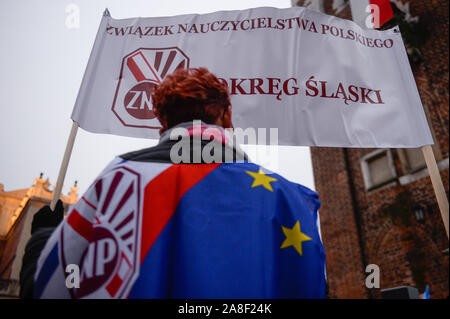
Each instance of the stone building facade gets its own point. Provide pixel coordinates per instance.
(17, 209)
(378, 205)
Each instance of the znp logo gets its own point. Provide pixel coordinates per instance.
(141, 72)
(110, 263)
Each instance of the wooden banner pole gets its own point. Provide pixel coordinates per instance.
(436, 180)
(64, 164)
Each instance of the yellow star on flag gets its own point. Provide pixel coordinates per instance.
(261, 179)
(294, 237)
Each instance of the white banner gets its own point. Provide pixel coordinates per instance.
(319, 79)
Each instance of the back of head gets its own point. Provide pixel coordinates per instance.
(190, 94)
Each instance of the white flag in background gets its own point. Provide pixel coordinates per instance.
(319, 79)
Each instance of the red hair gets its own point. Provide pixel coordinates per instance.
(190, 94)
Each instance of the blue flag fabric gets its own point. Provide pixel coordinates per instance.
(426, 294)
(237, 231)
(224, 241)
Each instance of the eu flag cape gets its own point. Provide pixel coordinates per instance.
(161, 230)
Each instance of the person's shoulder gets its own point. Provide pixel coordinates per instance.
(159, 153)
(132, 165)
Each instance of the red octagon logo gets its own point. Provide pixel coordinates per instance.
(141, 72)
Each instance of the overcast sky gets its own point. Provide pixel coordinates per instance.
(42, 61)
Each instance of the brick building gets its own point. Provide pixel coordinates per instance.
(17, 209)
(378, 205)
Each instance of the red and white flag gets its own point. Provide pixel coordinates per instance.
(371, 13)
(385, 12)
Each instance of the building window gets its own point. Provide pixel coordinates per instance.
(412, 159)
(378, 168)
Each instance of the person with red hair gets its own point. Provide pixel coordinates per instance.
(193, 105)
(192, 94)
(207, 225)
